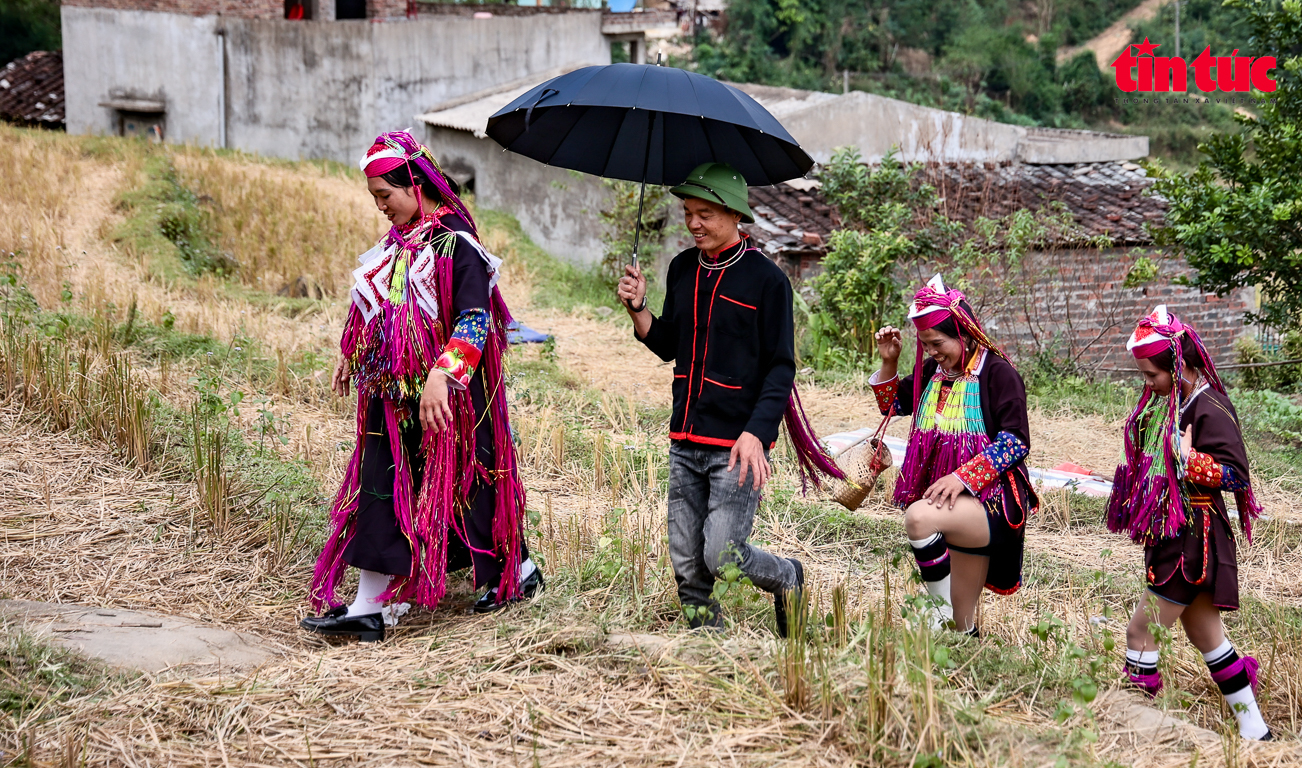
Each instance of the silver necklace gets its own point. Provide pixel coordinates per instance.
(700, 256)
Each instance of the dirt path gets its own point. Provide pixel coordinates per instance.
(1109, 43)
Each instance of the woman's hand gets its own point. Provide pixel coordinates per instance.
(945, 490)
(435, 413)
(1186, 443)
(889, 344)
(340, 380)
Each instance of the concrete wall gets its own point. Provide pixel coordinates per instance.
(305, 89)
(556, 208)
(249, 9)
(140, 54)
(875, 124)
(559, 210)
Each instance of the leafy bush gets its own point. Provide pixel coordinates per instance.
(887, 221)
(1236, 218)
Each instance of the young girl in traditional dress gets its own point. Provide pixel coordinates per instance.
(963, 485)
(1183, 449)
(432, 485)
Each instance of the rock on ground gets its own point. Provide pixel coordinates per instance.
(134, 639)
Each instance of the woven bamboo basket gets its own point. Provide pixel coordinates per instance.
(862, 464)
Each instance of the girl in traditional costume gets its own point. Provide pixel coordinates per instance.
(1183, 450)
(432, 485)
(963, 485)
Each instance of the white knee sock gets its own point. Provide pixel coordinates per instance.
(527, 568)
(929, 551)
(1230, 673)
(370, 585)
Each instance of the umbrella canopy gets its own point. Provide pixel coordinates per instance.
(641, 122)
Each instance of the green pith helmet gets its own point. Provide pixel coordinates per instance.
(717, 183)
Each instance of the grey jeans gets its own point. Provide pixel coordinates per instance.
(710, 519)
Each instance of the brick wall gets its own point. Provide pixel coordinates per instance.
(244, 9)
(386, 9)
(1080, 307)
(1075, 303)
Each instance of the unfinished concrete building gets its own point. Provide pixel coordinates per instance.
(305, 78)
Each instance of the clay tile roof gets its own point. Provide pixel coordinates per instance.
(31, 89)
(791, 216)
(1104, 198)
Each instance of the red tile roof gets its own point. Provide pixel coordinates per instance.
(1104, 198)
(31, 89)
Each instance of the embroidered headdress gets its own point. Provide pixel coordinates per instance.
(1148, 501)
(934, 305)
(399, 149)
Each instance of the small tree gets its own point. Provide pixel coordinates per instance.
(888, 221)
(620, 220)
(1237, 219)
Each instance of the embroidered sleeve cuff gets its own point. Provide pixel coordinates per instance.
(886, 393)
(1203, 470)
(977, 474)
(1231, 481)
(458, 361)
(1005, 452)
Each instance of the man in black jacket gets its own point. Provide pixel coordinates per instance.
(727, 324)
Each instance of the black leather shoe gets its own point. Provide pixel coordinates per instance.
(529, 588)
(533, 586)
(311, 622)
(780, 598)
(367, 629)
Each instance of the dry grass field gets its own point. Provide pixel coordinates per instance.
(169, 442)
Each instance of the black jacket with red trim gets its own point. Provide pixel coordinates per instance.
(731, 334)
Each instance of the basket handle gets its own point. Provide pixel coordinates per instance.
(880, 433)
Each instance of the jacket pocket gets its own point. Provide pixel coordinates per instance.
(727, 399)
(736, 316)
(679, 389)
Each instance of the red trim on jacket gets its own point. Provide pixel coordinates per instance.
(709, 320)
(719, 383)
(738, 303)
(709, 440)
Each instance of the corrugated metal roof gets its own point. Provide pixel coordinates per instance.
(31, 89)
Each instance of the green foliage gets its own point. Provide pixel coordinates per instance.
(168, 220)
(1276, 377)
(28, 25)
(888, 221)
(1237, 219)
(557, 284)
(621, 221)
(1270, 414)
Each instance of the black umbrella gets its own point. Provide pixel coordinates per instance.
(647, 123)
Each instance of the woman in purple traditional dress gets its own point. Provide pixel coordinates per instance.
(963, 485)
(1183, 450)
(433, 485)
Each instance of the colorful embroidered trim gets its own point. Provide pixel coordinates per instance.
(985, 468)
(460, 357)
(946, 434)
(1231, 481)
(1202, 469)
(887, 395)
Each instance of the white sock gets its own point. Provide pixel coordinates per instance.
(370, 585)
(527, 568)
(920, 543)
(1142, 658)
(1243, 703)
(1219, 652)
